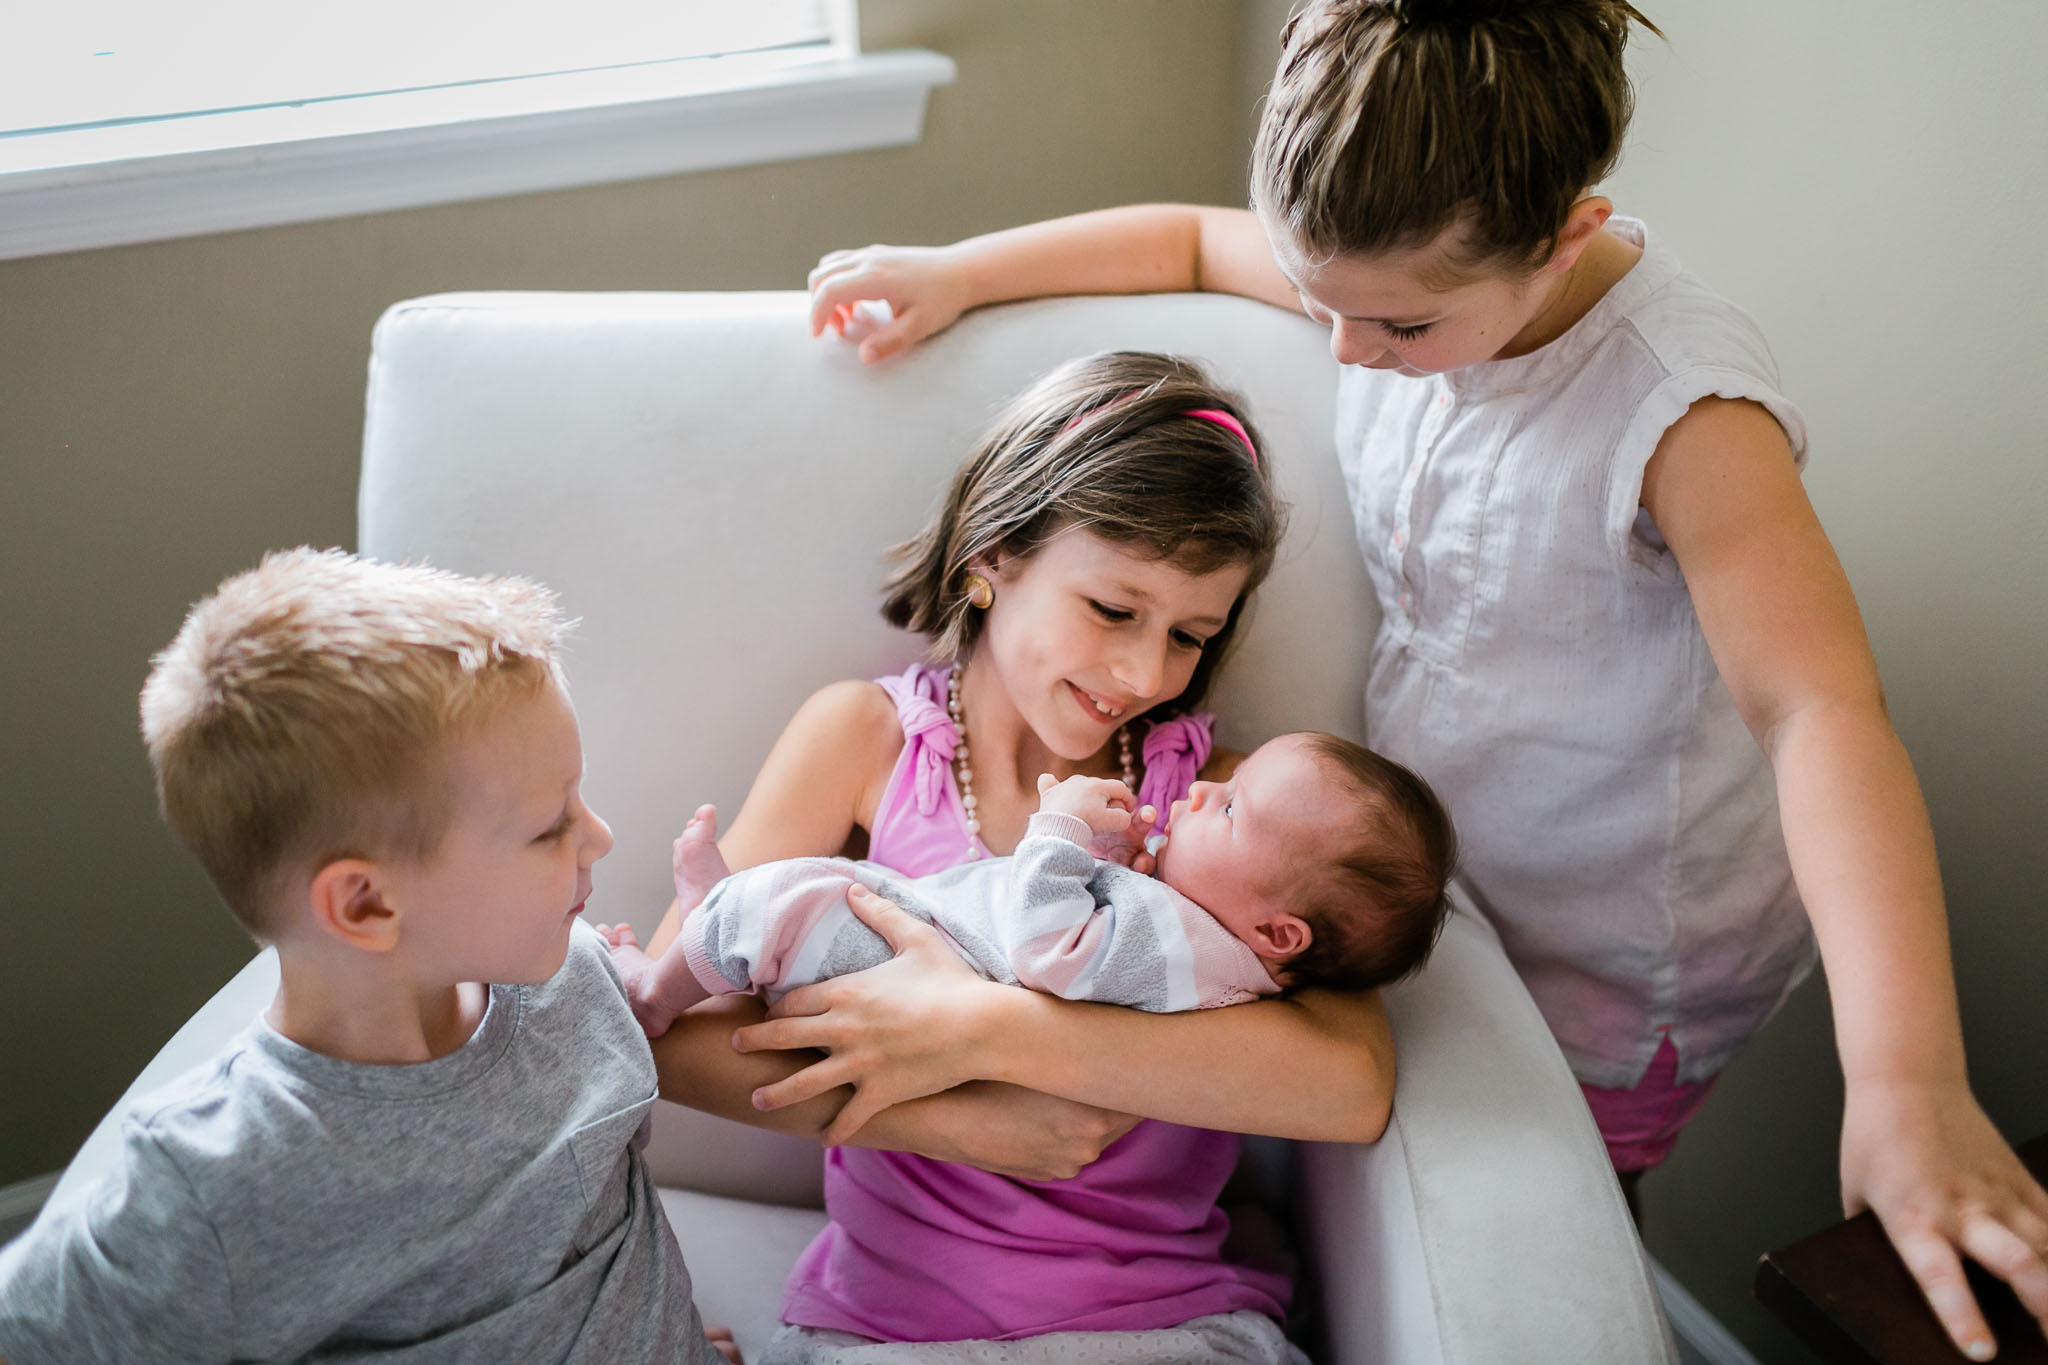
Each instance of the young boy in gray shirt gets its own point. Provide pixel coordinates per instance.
(427, 1148)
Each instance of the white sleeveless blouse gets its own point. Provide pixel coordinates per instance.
(1540, 663)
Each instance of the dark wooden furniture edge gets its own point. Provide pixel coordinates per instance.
(1845, 1293)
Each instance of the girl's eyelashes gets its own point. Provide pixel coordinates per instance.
(1124, 615)
(1318, 313)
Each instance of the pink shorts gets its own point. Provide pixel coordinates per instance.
(1640, 1125)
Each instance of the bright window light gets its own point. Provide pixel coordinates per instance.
(95, 63)
(128, 121)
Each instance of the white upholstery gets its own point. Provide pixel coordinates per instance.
(710, 490)
(739, 1253)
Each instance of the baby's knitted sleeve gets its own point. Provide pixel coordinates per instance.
(1065, 936)
(769, 928)
(1049, 925)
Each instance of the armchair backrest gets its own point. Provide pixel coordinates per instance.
(711, 491)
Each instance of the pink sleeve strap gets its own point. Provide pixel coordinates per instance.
(930, 733)
(1175, 751)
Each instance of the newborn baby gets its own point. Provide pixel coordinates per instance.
(1318, 863)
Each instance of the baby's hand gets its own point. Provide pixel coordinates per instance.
(1130, 847)
(1103, 803)
(919, 287)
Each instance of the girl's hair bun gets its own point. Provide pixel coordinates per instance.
(1420, 12)
(1416, 12)
(1470, 125)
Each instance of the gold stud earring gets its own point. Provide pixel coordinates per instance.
(980, 592)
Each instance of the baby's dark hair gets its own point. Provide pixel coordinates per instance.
(1108, 444)
(1390, 121)
(1377, 908)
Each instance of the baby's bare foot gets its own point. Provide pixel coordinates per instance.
(698, 864)
(721, 1340)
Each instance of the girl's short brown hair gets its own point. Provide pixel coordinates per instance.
(1107, 444)
(1391, 121)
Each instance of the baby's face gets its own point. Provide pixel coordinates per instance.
(1236, 847)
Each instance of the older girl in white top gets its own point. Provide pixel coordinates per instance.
(1615, 638)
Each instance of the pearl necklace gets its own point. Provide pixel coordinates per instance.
(963, 771)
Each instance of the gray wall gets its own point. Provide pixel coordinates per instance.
(1870, 187)
(168, 412)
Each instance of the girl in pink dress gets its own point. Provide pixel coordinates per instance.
(1060, 1169)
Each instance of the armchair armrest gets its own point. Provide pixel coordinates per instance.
(1487, 1217)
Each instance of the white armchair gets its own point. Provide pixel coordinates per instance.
(710, 490)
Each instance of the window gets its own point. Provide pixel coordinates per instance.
(127, 120)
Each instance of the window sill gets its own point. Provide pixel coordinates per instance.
(94, 187)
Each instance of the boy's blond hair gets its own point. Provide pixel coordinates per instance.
(1393, 122)
(304, 710)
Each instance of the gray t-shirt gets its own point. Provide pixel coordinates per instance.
(278, 1204)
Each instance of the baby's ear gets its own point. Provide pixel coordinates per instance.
(1284, 936)
(347, 897)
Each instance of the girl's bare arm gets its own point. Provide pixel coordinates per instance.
(924, 1022)
(1141, 249)
(1785, 633)
(1001, 1128)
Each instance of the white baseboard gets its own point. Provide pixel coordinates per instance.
(21, 1201)
(1694, 1326)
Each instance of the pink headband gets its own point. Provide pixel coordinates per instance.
(1229, 424)
(1216, 415)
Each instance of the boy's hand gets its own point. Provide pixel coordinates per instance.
(1104, 804)
(922, 286)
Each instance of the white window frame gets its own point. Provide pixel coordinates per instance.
(76, 189)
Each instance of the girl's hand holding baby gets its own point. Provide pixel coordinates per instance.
(1034, 1136)
(895, 1032)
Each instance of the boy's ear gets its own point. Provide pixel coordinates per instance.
(1585, 218)
(1283, 936)
(348, 902)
